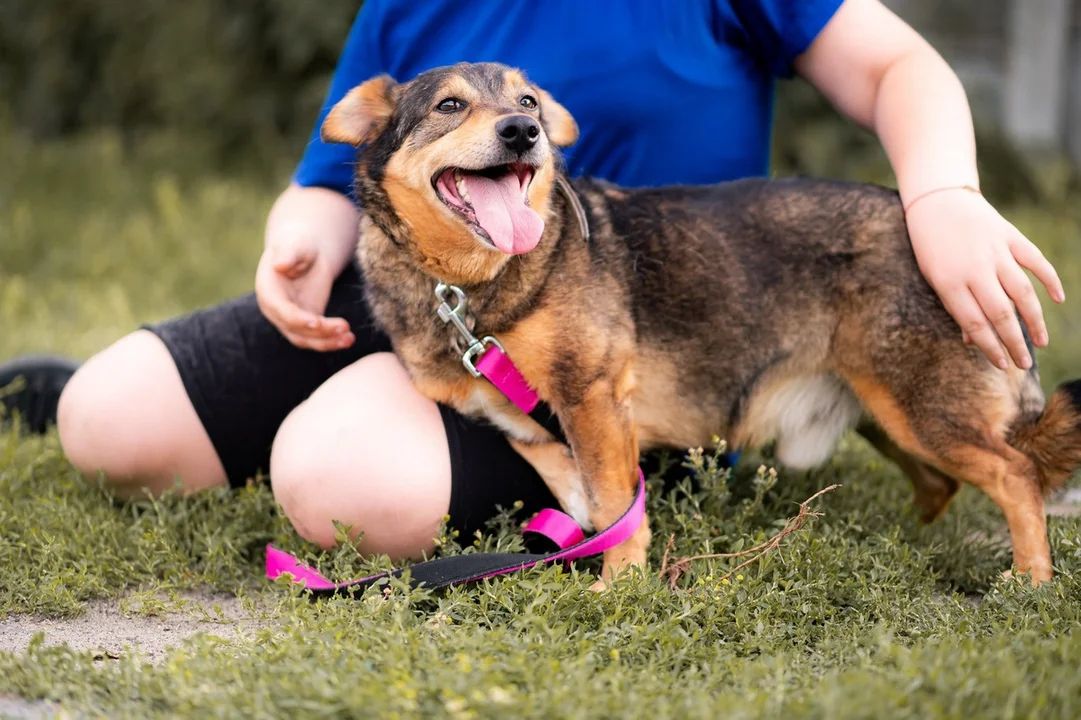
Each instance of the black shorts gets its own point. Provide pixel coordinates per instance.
(243, 378)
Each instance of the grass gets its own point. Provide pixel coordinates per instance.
(861, 613)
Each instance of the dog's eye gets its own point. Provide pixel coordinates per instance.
(450, 105)
(528, 101)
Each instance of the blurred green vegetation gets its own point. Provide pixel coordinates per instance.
(94, 240)
(254, 72)
(810, 138)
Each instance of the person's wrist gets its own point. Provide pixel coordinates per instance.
(323, 216)
(909, 202)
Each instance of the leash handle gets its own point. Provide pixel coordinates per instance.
(559, 527)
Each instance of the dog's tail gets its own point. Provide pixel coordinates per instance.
(1052, 439)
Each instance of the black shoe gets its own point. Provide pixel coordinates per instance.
(30, 386)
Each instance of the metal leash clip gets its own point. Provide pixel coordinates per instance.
(456, 316)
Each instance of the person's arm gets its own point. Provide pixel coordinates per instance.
(311, 231)
(882, 74)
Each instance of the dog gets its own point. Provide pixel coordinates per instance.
(784, 311)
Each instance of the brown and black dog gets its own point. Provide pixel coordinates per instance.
(757, 310)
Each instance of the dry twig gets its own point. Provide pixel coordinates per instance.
(672, 573)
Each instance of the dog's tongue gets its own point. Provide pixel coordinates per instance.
(501, 210)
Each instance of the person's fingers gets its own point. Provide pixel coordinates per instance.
(333, 325)
(321, 344)
(311, 295)
(293, 306)
(282, 258)
(304, 328)
(1029, 256)
(294, 318)
(997, 308)
(298, 321)
(1020, 290)
(292, 262)
(966, 311)
(273, 298)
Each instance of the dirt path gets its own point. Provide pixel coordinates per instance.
(105, 629)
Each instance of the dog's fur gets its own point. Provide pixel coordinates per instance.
(757, 310)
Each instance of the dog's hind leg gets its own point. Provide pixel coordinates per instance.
(1009, 478)
(965, 445)
(933, 490)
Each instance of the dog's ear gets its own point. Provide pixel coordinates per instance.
(559, 124)
(362, 114)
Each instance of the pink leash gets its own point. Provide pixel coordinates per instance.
(557, 526)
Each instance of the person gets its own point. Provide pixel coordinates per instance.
(294, 379)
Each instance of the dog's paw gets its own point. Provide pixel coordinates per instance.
(601, 586)
(1036, 577)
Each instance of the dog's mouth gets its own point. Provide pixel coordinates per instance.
(494, 203)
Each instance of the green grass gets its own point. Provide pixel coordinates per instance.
(861, 613)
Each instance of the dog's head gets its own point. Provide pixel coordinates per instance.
(464, 157)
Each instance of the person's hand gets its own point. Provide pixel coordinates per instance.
(976, 260)
(292, 285)
(310, 235)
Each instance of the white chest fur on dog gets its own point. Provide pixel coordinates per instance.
(807, 416)
(483, 402)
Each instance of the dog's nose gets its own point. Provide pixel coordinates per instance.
(518, 132)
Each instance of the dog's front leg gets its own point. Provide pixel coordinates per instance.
(603, 437)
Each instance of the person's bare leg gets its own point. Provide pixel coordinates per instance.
(365, 448)
(368, 450)
(125, 414)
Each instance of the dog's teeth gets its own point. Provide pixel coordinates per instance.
(463, 192)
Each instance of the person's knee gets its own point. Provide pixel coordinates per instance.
(88, 408)
(368, 451)
(125, 414)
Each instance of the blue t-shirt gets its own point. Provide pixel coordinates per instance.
(664, 91)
